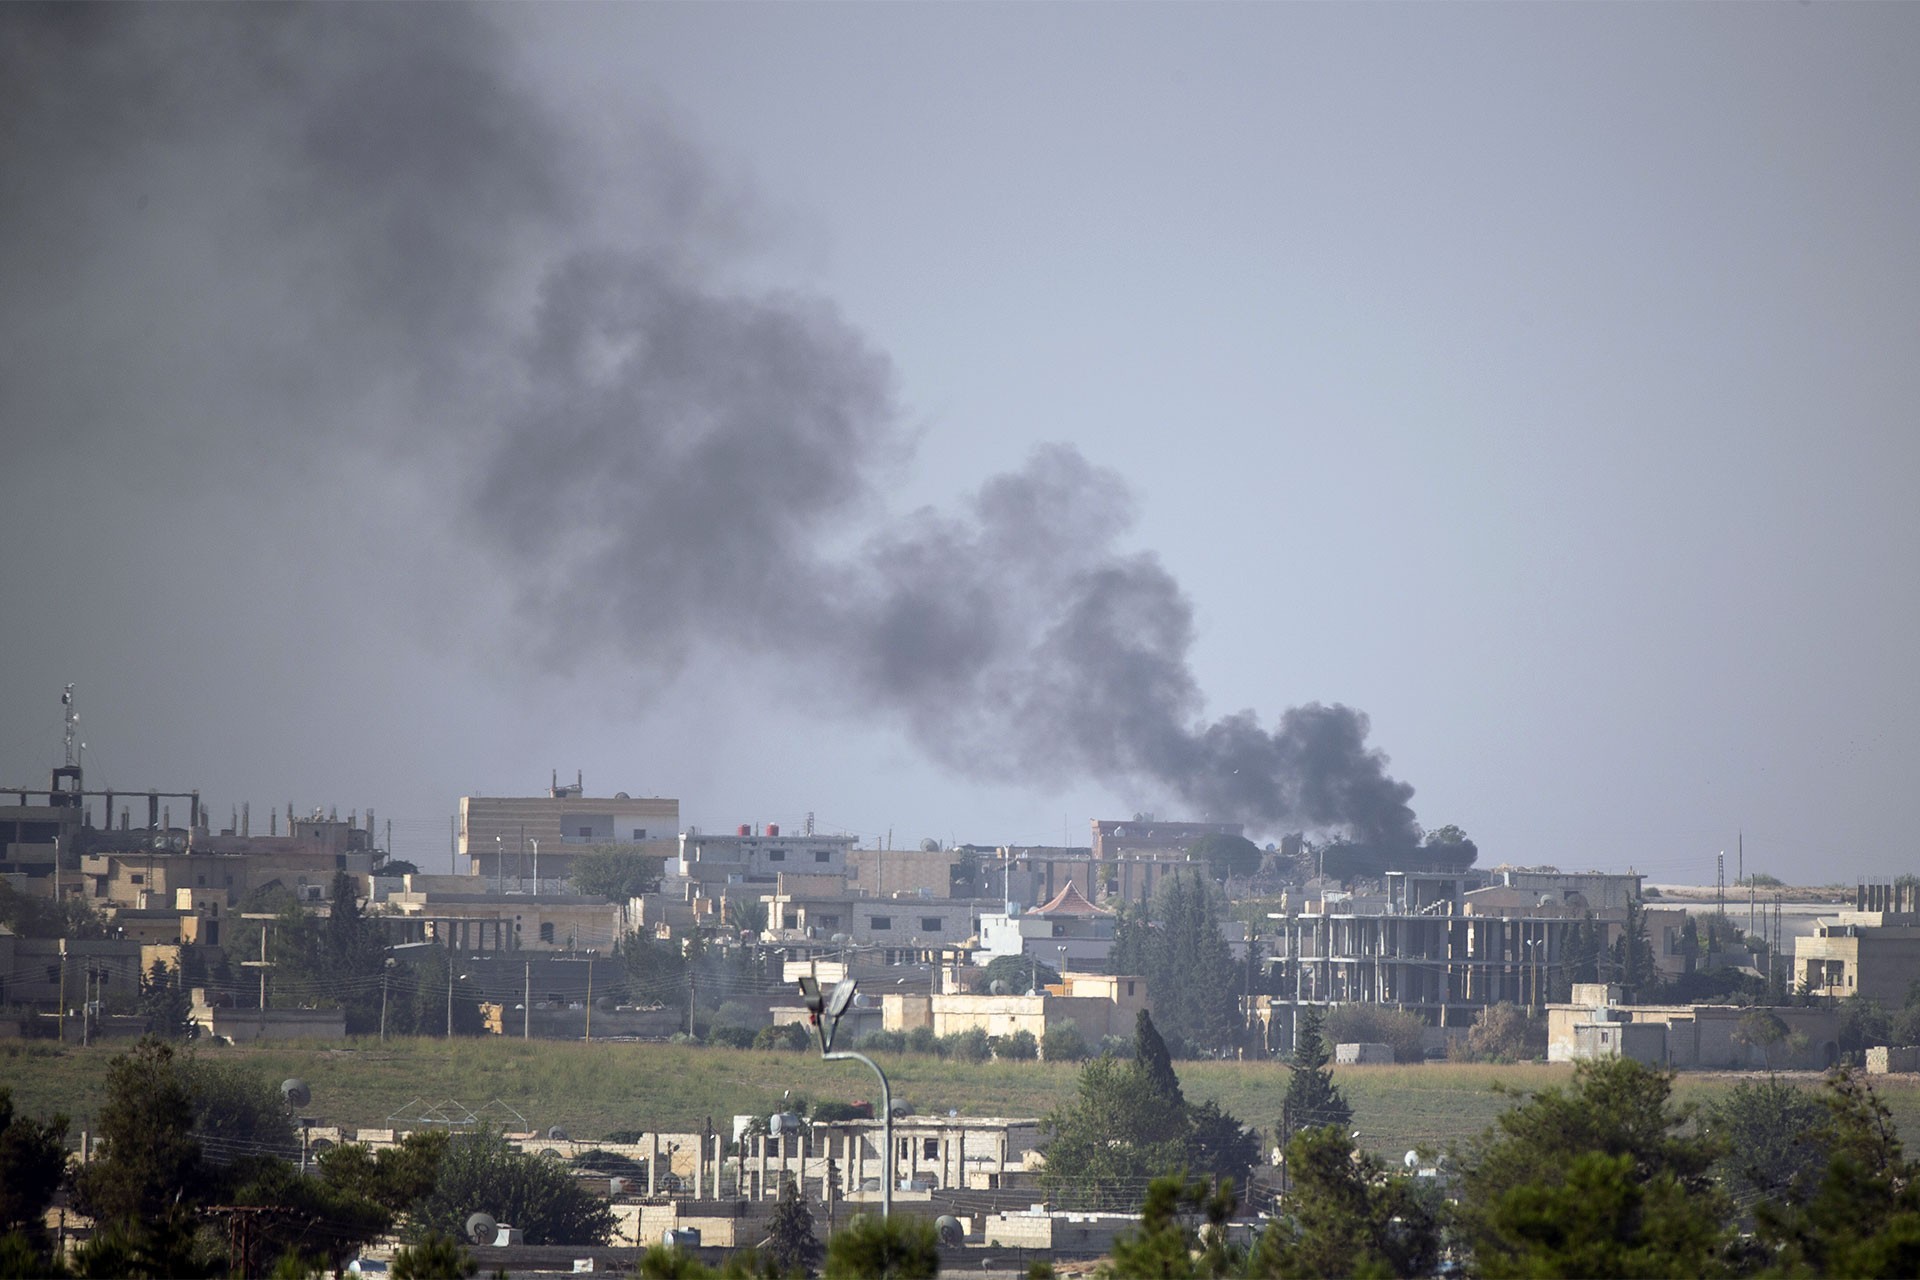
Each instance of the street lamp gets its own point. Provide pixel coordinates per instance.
(833, 1005)
(536, 866)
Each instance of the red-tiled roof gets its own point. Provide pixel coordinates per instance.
(1070, 902)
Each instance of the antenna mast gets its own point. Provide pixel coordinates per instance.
(73, 719)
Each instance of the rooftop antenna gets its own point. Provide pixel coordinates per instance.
(73, 720)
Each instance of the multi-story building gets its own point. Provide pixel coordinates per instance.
(758, 857)
(512, 840)
(1426, 947)
(1871, 951)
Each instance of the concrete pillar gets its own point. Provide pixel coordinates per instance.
(653, 1165)
(760, 1187)
(699, 1167)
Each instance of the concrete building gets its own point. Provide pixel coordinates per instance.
(1099, 1004)
(1067, 931)
(1710, 1037)
(513, 921)
(503, 837)
(1426, 946)
(750, 857)
(1871, 951)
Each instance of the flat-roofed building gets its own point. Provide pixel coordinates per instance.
(511, 839)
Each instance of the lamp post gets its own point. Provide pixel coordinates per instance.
(536, 866)
(832, 1005)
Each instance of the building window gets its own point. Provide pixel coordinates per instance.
(823, 855)
(929, 1148)
(137, 878)
(931, 924)
(546, 931)
(1129, 988)
(776, 855)
(880, 923)
(639, 833)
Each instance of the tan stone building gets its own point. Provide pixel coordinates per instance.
(1871, 951)
(511, 839)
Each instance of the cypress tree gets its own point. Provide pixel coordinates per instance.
(1313, 1101)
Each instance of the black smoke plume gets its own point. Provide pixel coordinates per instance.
(362, 231)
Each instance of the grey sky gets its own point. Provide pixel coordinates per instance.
(1525, 377)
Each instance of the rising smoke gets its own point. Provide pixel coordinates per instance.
(353, 215)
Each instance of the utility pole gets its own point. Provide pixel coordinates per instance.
(526, 1005)
(386, 972)
(449, 989)
(589, 999)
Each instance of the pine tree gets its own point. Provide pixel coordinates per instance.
(1313, 1101)
(791, 1245)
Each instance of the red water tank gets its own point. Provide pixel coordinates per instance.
(773, 828)
(745, 829)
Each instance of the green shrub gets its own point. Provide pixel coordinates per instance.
(882, 1042)
(786, 1035)
(731, 1037)
(1064, 1043)
(970, 1045)
(1021, 1046)
(921, 1040)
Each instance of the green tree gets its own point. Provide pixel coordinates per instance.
(395, 1178)
(884, 1249)
(1177, 946)
(482, 1172)
(1498, 1034)
(1602, 1219)
(1118, 1134)
(430, 981)
(1633, 951)
(1312, 1100)
(33, 1163)
(656, 970)
(1858, 1212)
(1021, 974)
(791, 1244)
(166, 1004)
(150, 1155)
(1021, 1046)
(1400, 1030)
(305, 1216)
(434, 1257)
(617, 874)
(1347, 1215)
(1064, 1042)
(1167, 1244)
(1768, 1137)
(1518, 1174)
(1863, 1024)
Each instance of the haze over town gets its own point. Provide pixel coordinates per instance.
(937, 418)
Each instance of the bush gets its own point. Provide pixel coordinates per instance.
(1064, 1043)
(1498, 1034)
(882, 1042)
(731, 1037)
(1116, 1046)
(1376, 1024)
(921, 1040)
(733, 1013)
(970, 1045)
(786, 1035)
(1021, 1046)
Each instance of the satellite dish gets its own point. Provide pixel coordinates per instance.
(481, 1228)
(616, 1186)
(556, 1134)
(1412, 1160)
(951, 1232)
(902, 1108)
(998, 987)
(840, 939)
(296, 1093)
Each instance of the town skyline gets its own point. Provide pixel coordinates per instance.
(1531, 382)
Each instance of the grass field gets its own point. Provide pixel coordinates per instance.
(593, 1089)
